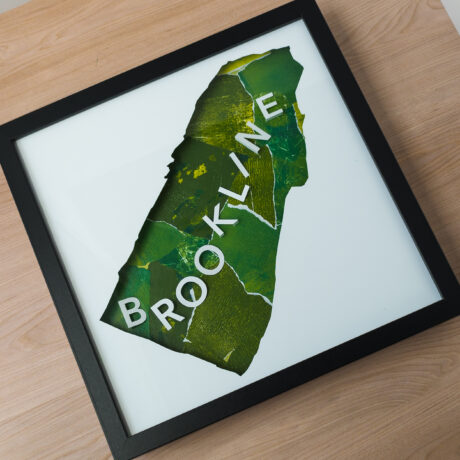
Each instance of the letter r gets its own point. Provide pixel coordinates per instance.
(168, 312)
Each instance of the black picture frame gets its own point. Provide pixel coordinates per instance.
(121, 443)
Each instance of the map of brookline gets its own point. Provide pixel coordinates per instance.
(201, 276)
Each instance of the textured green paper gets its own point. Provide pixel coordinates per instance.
(226, 329)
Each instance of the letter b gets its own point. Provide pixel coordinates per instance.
(127, 314)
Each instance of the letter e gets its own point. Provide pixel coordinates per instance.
(264, 107)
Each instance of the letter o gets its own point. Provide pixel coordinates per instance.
(194, 303)
(215, 250)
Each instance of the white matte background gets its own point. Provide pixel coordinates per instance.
(346, 263)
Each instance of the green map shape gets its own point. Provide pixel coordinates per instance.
(226, 329)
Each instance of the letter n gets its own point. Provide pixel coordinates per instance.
(243, 138)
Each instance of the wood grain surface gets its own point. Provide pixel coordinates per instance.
(402, 402)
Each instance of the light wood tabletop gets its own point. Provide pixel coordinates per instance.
(402, 402)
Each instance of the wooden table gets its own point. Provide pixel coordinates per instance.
(403, 402)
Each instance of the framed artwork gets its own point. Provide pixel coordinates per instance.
(222, 224)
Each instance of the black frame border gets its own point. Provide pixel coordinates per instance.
(123, 445)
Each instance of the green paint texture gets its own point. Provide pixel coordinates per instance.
(226, 329)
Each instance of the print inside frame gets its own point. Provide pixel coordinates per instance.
(215, 226)
(348, 271)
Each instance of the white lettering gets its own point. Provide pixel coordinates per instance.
(207, 271)
(167, 313)
(242, 138)
(128, 313)
(217, 221)
(239, 165)
(194, 303)
(264, 107)
(241, 197)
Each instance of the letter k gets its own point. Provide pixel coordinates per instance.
(217, 221)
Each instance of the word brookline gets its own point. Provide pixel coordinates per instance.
(135, 309)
